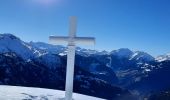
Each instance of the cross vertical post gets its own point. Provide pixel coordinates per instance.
(72, 40)
(70, 59)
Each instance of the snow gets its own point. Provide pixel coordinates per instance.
(138, 55)
(132, 55)
(29, 93)
(48, 52)
(148, 70)
(10, 43)
(163, 57)
(48, 47)
(62, 54)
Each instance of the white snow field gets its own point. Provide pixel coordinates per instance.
(29, 93)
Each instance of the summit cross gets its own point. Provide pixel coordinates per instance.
(71, 40)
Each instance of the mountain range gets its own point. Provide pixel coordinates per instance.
(114, 75)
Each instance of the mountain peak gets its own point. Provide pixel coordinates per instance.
(11, 43)
(122, 52)
(142, 56)
(8, 36)
(124, 49)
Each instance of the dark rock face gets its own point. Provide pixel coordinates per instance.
(16, 71)
(163, 95)
(156, 80)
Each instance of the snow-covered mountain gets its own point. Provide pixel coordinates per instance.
(55, 49)
(122, 53)
(61, 50)
(132, 55)
(163, 57)
(11, 43)
(99, 73)
(142, 57)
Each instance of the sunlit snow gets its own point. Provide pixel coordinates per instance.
(28, 93)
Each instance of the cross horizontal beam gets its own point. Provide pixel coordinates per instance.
(77, 40)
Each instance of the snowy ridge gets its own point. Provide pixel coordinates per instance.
(121, 53)
(163, 57)
(140, 56)
(48, 47)
(11, 43)
(132, 55)
(28, 93)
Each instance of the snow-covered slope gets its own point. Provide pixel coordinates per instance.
(11, 43)
(61, 50)
(132, 55)
(28, 93)
(48, 47)
(163, 57)
(141, 56)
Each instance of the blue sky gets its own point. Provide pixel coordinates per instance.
(134, 24)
